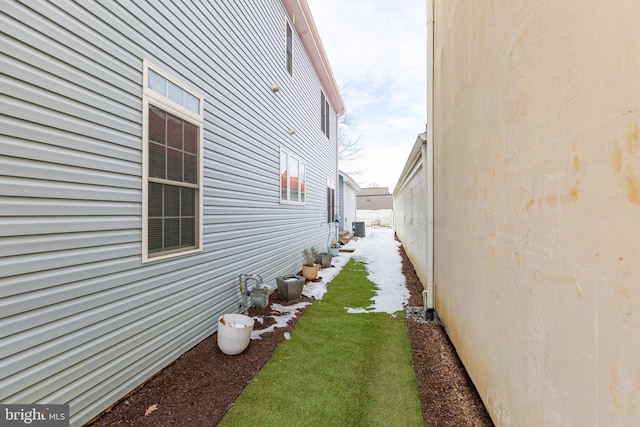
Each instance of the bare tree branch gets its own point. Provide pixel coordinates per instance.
(349, 142)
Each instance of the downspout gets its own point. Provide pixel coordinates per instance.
(427, 156)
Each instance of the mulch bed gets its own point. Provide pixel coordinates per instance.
(197, 389)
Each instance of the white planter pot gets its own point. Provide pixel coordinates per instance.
(234, 333)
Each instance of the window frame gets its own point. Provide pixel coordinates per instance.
(151, 97)
(302, 183)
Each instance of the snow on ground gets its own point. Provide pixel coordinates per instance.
(288, 313)
(379, 251)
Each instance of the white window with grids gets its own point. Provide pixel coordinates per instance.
(172, 167)
(292, 178)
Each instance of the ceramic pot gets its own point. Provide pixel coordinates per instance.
(310, 272)
(290, 287)
(324, 259)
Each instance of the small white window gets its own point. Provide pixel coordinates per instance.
(172, 167)
(292, 178)
(168, 89)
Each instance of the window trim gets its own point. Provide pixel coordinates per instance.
(151, 97)
(302, 165)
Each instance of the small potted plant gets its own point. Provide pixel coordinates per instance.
(334, 249)
(309, 266)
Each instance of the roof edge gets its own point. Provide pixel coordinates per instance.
(349, 180)
(412, 160)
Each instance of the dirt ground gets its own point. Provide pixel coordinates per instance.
(196, 390)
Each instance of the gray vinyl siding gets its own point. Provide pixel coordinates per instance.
(82, 320)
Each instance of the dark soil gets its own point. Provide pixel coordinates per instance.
(196, 390)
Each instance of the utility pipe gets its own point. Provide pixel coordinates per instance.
(427, 156)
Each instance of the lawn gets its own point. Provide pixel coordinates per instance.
(338, 368)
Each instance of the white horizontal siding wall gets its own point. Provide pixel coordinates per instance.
(82, 320)
(410, 211)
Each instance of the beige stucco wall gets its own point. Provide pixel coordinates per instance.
(537, 205)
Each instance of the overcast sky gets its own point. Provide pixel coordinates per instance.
(377, 51)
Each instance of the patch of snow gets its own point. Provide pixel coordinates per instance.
(356, 310)
(288, 313)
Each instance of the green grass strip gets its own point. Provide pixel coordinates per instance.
(338, 369)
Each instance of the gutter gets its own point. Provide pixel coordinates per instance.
(427, 153)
